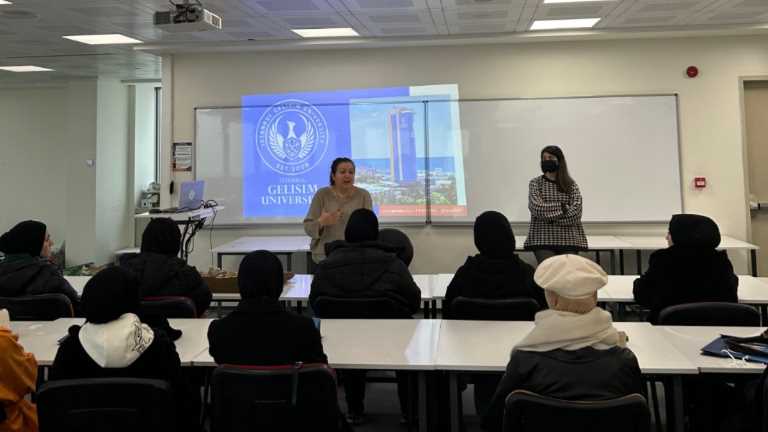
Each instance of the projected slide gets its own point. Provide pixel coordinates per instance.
(290, 140)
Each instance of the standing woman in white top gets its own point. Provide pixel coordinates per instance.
(555, 203)
(331, 206)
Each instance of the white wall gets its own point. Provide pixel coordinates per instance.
(49, 134)
(113, 210)
(33, 152)
(710, 113)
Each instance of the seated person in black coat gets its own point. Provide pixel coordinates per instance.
(496, 272)
(114, 342)
(690, 270)
(363, 267)
(161, 272)
(26, 269)
(573, 351)
(259, 331)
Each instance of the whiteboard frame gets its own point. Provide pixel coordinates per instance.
(428, 218)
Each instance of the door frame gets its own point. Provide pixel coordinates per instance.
(744, 147)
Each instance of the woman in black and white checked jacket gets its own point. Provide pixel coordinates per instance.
(555, 204)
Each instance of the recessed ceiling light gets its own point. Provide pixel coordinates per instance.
(25, 69)
(103, 39)
(564, 24)
(574, 1)
(5, 2)
(326, 32)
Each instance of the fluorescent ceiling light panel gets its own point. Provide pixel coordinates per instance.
(103, 39)
(4, 2)
(564, 24)
(574, 1)
(25, 69)
(326, 32)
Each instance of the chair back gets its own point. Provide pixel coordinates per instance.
(43, 307)
(710, 314)
(526, 411)
(298, 397)
(514, 309)
(168, 307)
(358, 308)
(106, 404)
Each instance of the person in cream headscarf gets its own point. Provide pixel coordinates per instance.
(573, 351)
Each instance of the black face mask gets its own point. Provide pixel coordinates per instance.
(549, 166)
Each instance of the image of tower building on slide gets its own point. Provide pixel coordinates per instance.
(401, 139)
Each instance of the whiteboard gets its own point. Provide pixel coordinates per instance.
(623, 152)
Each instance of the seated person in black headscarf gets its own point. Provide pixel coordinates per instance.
(259, 331)
(399, 242)
(496, 272)
(363, 267)
(690, 270)
(114, 342)
(161, 272)
(26, 268)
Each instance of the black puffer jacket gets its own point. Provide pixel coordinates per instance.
(22, 276)
(678, 275)
(584, 374)
(487, 278)
(365, 270)
(162, 275)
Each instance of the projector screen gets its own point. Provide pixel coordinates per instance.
(265, 159)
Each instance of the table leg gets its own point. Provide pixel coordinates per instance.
(597, 257)
(298, 307)
(753, 259)
(422, 390)
(679, 407)
(427, 313)
(639, 255)
(289, 260)
(621, 261)
(218, 259)
(453, 390)
(613, 261)
(434, 309)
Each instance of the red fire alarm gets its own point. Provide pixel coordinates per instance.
(692, 71)
(699, 182)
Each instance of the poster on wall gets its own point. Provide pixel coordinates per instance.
(182, 157)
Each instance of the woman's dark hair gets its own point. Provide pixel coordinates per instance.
(335, 166)
(564, 180)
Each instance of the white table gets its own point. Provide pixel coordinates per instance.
(403, 345)
(751, 290)
(465, 346)
(596, 244)
(193, 221)
(278, 245)
(298, 288)
(689, 340)
(41, 338)
(641, 243)
(78, 283)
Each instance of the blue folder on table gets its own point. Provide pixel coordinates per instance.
(718, 348)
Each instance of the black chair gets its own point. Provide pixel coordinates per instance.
(43, 307)
(398, 240)
(299, 397)
(710, 314)
(168, 307)
(514, 309)
(106, 404)
(526, 411)
(358, 308)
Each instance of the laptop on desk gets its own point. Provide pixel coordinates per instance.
(190, 197)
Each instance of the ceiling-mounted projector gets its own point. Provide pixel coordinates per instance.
(187, 17)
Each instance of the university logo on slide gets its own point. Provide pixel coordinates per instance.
(291, 137)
